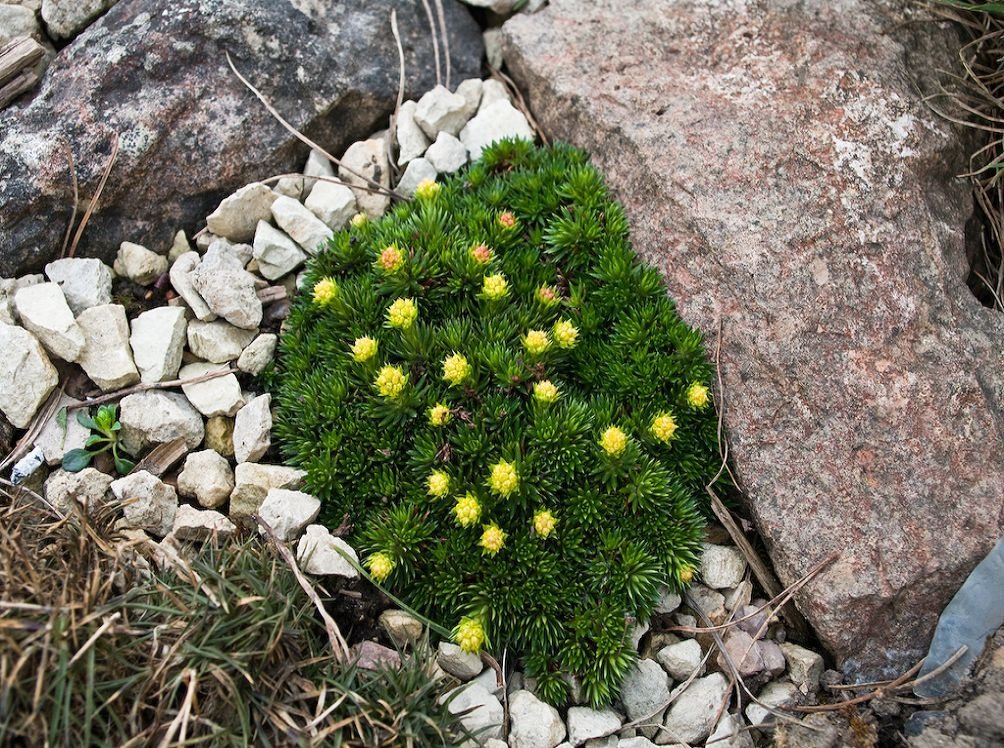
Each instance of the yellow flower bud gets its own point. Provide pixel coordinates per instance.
(467, 510)
(507, 220)
(544, 522)
(359, 220)
(456, 369)
(391, 259)
(613, 441)
(325, 290)
(364, 349)
(402, 313)
(545, 392)
(380, 566)
(504, 479)
(438, 483)
(697, 395)
(427, 189)
(536, 342)
(663, 427)
(687, 574)
(495, 287)
(565, 334)
(390, 381)
(492, 539)
(469, 635)
(439, 415)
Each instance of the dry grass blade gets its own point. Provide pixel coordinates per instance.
(434, 35)
(93, 204)
(76, 197)
(446, 40)
(119, 394)
(400, 93)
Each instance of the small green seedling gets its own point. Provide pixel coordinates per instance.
(105, 427)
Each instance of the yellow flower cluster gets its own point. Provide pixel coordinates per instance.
(663, 427)
(697, 395)
(687, 574)
(469, 635)
(427, 189)
(380, 566)
(438, 483)
(359, 220)
(492, 539)
(481, 254)
(402, 313)
(565, 334)
(504, 479)
(613, 441)
(391, 259)
(467, 510)
(390, 381)
(536, 342)
(325, 291)
(496, 287)
(439, 415)
(545, 392)
(544, 522)
(456, 369)
(364, 349)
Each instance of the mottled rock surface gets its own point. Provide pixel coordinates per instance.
(778, 165)
(161, 80)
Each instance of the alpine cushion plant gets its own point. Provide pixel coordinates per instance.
(503, 400)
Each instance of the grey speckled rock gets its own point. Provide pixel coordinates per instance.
(815, 211)
(162, 82)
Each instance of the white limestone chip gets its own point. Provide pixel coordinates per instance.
(333, 203)
(181, 281)
(417, 172)
(84, 489)
(86, 282)
(55, 440)
(317, 553)
(44, 312)
(139, 264)
(219, 396)
(253, 481)
(288, 512)
(149, 503)
(107, 356)
(238, 215)
(439, 110)
(447, 154)
(722, 566)
(253, 429)
(258, 354)
(411, 139)
(275, 252)
(158, 417)
(201, 524)
(367, 158)
(158, 342)
(207, 478)
(306, 229)
(497, 121)
(228, 289)
(219, 341)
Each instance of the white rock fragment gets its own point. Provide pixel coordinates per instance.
(439, 110)
(317, 553)
(635, 742)
(447, 154)
(55, 440)
(228, 289)
(645, 689)
(158, 417)
(65, 19)
(158, 342)
(492, 91)
(457, 662)
(533, 724)
(668, 601)
(680, 660)
(253, 429)
(19, 20)
(290, 187)
(288, 512)
(333, 203)
(149, 503)
(416, 172)
(470, 90)
(219, 341)
(85, 282)
(492, 39)
(258, 354)
(497, 121)
(207, 478)
(722, 566)
(219, 396)
(238, 215)
(9, 287)
(84, 489)
(306, 229)
(318, 165)
(107, 356)
(275, 252)
(252, 482)
(729, 733)
(139, 264)
(44, 313)
(691, 717)
(367, 158)
(585, 723)
(181, 280)
(201, 524)
(179, 247)
(401, 626)
(411, 140)
(804, 666)
(481, 710)
(774, 695)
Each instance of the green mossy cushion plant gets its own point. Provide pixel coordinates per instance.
(503, 401)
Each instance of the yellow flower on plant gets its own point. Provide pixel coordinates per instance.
(536, 342)
(438, 483)
(391, 259)
(439, 415)
(380, 566)
(467, 510)
(697, 395)
(507, 220)
(545, 392)
(687, 574)
(492, 539)
(496, 286)
(547, 295)
(481, 254)
(504, 479)
(402, 313)
(364, 348)
(565, 334)
(427, 189)
(469, 635)
(544, 522)
(325, 290)
(613, 441)
(359, 220)
(456, 369)
(390, 381)
(663, 427)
